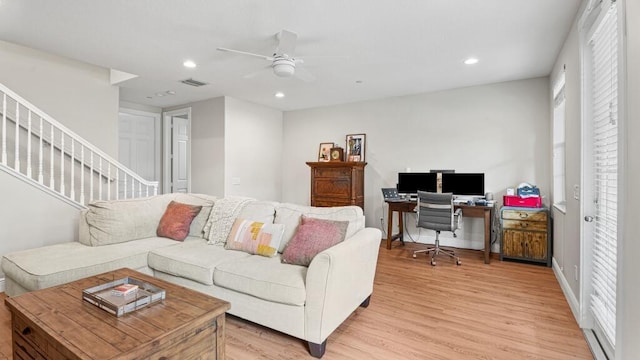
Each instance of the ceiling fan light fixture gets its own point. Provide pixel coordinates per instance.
(284, 67)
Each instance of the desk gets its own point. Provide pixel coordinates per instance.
(467, 210)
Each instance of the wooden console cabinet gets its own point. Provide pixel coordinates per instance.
(525, 234)
(337, 183)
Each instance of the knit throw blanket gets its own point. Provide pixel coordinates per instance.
(223, 214)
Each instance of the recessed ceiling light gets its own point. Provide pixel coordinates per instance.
(171, 92)
(358, 81)
(159, 94)
(279, 94)
(189, 64)
(471, 61)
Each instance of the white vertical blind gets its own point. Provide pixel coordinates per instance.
(603, 47)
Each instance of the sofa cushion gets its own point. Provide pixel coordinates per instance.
(194, 260)
(176, 220)
(52, 265)
(265, 278)
(255, 237)
(223, 214)
(115, 221)
(263, 211)
(313, 236)
(289, 215)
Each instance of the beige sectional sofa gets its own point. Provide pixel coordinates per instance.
(306, 302)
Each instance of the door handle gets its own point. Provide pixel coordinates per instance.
(588, 218)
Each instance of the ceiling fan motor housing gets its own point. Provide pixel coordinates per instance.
(284, 67)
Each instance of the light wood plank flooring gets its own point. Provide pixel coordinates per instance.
(503, 310)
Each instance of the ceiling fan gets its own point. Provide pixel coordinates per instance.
(282, 61)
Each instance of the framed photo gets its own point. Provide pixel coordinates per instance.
(355, 147)
(324, 153)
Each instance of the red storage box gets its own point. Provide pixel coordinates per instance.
(533, 202)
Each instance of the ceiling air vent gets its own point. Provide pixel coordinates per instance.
(193, 82)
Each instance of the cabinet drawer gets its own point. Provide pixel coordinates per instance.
(332, 188)
(524, 215)
(336, 172)
(524, 225)
(330, 202)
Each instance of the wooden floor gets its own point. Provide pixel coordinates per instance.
(503, 310)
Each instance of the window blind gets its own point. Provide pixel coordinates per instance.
(603, 47)
(559, 140)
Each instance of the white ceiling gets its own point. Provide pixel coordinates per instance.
(394, 47)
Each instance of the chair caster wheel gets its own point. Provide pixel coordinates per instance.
(414, 256)
(458, 262)
(433, 263)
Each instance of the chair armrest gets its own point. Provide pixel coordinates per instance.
(338, 280)
(457, 220)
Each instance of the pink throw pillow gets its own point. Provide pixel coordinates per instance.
(176, 220)
(312, 237)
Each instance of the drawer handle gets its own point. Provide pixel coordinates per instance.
(524, 225)
(26, 331)
(523, 216)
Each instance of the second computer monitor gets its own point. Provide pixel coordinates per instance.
(410, 183)
(469, 184)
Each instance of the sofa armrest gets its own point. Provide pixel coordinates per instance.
(339, 279)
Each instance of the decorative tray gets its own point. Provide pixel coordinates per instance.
(103, 297)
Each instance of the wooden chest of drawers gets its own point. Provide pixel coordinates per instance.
(337, 183)
(525, 234)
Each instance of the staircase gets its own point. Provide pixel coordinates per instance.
(39, 150)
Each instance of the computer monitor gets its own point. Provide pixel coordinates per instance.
(410, 183)
(469, 184)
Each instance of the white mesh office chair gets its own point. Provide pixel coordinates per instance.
(436, 212)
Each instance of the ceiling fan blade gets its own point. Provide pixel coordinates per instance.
(304, 74)
(251, 75)
(268, 58)
(287, 42)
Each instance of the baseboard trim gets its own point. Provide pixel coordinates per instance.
(566, 289)
(1, 284)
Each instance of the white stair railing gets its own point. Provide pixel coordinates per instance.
(65, 163)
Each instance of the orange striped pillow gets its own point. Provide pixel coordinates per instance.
(255, 237)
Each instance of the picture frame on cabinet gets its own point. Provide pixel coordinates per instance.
(356, 144)
(324, 152)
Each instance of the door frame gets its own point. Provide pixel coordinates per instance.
(167, 140)
(157, 135)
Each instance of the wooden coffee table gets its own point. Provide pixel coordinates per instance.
(55, 323)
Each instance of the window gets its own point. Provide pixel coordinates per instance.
(559, 199)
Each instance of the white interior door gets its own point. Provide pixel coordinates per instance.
(177, 165)
(180, 158)
(138, 143)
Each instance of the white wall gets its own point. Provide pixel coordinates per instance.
(628, 301)
(76, 94)
(253, 150)
(79, 96)
(207, 146)
(31, 218)
(499, 129)
(567, 237)
(568, 240)
(140, 107)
